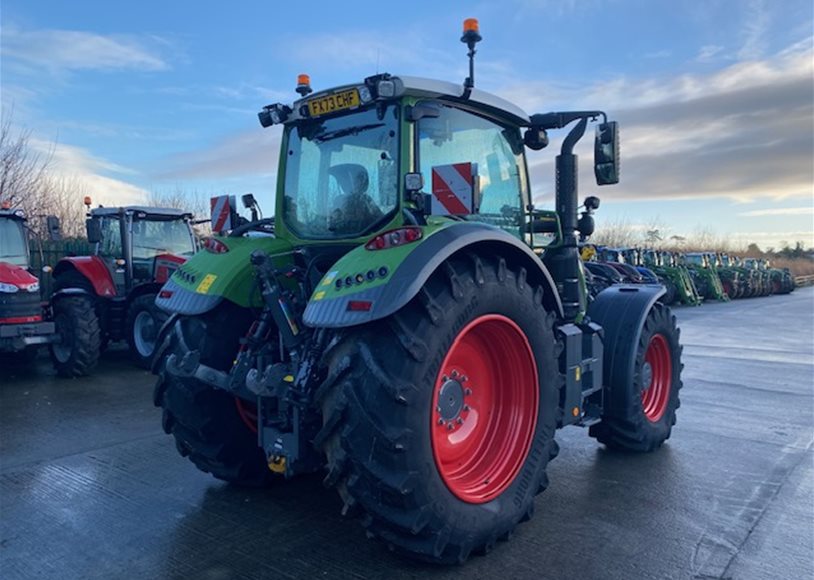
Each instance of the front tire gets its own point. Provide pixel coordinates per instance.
(640, 410)
(77, 325)
(144, 319)
(439, 420)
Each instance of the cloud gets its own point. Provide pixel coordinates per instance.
(73, 50)
(707, 52)
(742, 132)
(778, 211)
(78, 165)
(755, 28)
(253, 152)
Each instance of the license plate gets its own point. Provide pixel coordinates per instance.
(332, 103)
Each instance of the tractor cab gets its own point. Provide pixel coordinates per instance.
(697, 259)
(21, 314)
(140, 245)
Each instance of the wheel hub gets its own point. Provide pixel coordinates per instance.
(450, 399)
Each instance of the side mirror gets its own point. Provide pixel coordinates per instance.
(591, 203)
(250, 203)
(52, 225)
(606, 153)
(94, 229)
(535, 138)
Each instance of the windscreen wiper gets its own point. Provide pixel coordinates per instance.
(345, 132)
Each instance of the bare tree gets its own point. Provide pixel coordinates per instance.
(22, 169)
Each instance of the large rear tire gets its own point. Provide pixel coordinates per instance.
(640, 410)
(77, 351)
(209, 425)
(144, 319)
(439, 420)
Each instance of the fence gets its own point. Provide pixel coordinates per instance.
(804, 280)
(48, 253)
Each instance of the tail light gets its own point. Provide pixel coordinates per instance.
(394, 238)
(214, 246)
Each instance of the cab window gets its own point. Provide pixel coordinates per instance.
(458, 136)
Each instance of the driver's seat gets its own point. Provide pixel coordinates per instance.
(351, 177)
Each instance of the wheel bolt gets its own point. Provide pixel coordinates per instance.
(438, 408)
(467, 391)
(464, 378)
(440, 421)
(459, 421)
(450, 426)
(444, 378)
(466, 408)
(454, 374)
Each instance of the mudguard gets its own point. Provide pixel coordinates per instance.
(621, 311)
(203, 281)
(370, 285)
(91, 267)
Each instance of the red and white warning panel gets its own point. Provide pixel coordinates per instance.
(453, 189)
(223, 213)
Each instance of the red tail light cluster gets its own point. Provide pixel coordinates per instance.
(214, 246)
(394, 238)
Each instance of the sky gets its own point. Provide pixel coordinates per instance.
(715, 98)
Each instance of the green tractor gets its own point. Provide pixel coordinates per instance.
(396, 326)
(782, 281)
(761, 273)
(750, 278)
(735, 279)
(676, 279)
(705, 275)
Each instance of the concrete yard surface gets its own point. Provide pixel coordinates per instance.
(92, 488)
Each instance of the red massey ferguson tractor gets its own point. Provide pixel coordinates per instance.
(22, 328)
(110, 296)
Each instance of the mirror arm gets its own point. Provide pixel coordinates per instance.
(574, 136)
(560, 120)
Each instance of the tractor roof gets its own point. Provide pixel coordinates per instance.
(152, 212)
(437, 89)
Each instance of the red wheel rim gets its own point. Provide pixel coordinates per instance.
(484, 408)
(657, 376)
(248, 414)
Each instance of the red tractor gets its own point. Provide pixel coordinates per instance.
(22, 328)
(110, 296)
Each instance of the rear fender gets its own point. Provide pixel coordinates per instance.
(622, 311)
(93, 268)
(206, 279)
(384, 281)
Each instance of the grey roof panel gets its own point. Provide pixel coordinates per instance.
(165, 211)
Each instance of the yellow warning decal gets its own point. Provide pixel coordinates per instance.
(319, 295)
(329, 278)
(577, 373)
(208, 280)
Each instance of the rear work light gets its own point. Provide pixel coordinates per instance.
(214, 246)
(394, 238)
